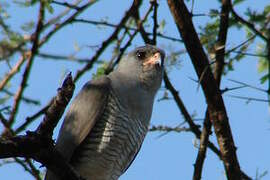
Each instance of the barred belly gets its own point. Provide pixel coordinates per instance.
(111, 145)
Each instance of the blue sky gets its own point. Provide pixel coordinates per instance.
(171, 156)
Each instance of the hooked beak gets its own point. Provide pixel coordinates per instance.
(156, 59)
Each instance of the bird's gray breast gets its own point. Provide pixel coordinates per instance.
(112, 143)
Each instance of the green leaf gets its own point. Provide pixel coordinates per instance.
(28, 26)
(262, 65)
(236, 2)
(214, 13)
(208, 34)
(264, 78)
(49, 7)
(162, 26)
(3, 100)
(100, 70)
(266, 9)
(263, 62)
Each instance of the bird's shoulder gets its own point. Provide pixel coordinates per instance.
(102, 83)
(86, 108)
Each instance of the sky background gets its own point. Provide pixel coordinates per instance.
(170, 156)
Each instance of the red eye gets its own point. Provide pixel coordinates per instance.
(141, 55)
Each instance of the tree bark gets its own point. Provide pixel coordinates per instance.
(216, 107)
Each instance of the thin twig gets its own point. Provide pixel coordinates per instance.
(104, 23)
(240, 45)
(248, 24)
(25, 99)
(30, 119)
(122, 50)
(34, 171)
(105, 44)
(66, 22)
(71, 6)
(249, 98)
(193, 127)
(12, 72)
(249, 54)
(57, 18)
(34, 49)
(62, 57)
(247, 85)
(168, 129)
(22, 163)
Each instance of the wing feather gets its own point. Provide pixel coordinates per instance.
(85, 110)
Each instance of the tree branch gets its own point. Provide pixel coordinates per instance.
(248, 24)
(25, 99)
(104, 23)
(34, 49)
(70, 58)
(30, 119)
(135, 5)
(216, 107)
(132, 36)
(193, 127)
(56, 108)
(168, 129)
(38, 145)
(155, 21)
(219, 65)
(12, 72)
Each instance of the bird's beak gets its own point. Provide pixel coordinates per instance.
(154, 60)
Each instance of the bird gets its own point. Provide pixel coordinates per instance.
(107, 121)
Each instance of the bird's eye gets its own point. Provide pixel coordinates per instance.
(141, 54)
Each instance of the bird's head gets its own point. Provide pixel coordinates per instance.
(144, 66)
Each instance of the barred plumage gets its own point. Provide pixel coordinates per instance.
(113, 142)
(107, 121)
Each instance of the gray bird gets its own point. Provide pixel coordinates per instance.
(109, 118)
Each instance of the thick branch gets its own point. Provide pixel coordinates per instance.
(155, 21)
(38, 145)
(216, 107)
(32, 146)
